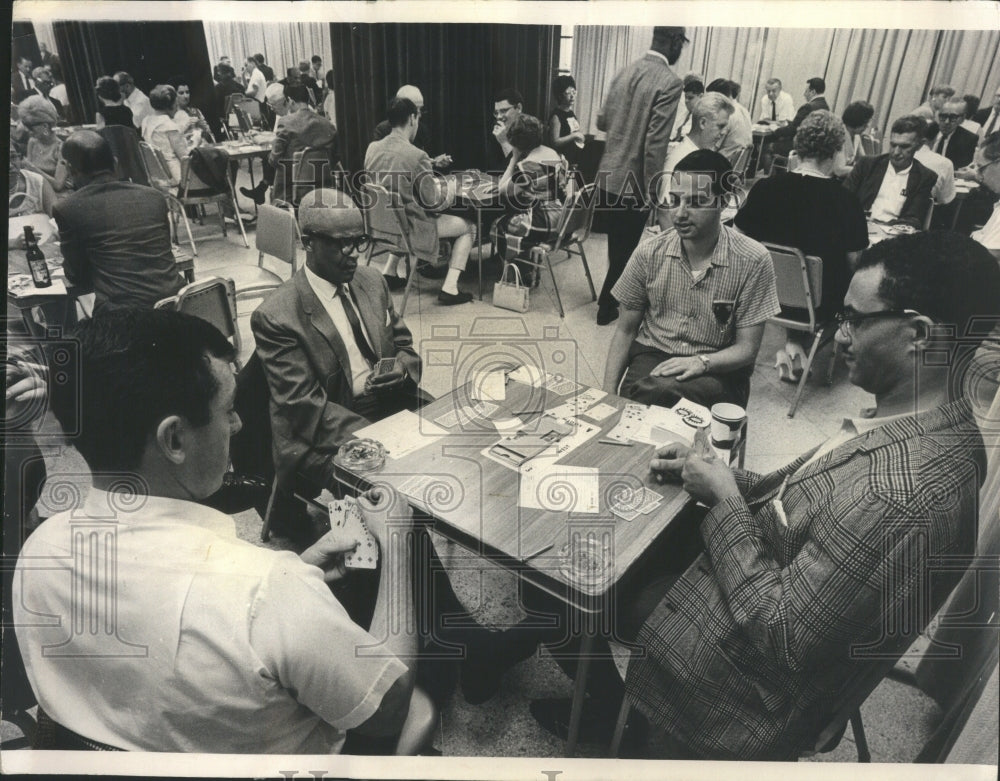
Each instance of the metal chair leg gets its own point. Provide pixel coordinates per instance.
(411, 273)
(864, 755)
(805, 375)
(265, 529)
(586, 269)
(616, 740)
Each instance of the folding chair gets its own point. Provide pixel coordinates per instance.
(157, 176)
(799, 279)
(277, 235)
(574, 228)
(871, 147)
(213, 300)
(779, 163)
(124, 143)
(192, 191)
(386, 221)
(742, 161)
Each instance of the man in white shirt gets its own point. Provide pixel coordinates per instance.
(709, 119)
(944, 188)
(988, 167)
(894, 187)
(135, 98)
(990, 118)
(776, 105)
(208, 643)
(256, 82)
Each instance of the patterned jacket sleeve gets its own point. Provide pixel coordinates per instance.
(867, 564)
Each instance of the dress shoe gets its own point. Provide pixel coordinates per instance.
(394, 282)
(607, 314)
(451, 299)
(490, 655)
(258, 194)
(429, 271)
(786, 368)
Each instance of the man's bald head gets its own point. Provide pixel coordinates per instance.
(88, 153)
(412, 94)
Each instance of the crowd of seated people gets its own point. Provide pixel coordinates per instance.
(738, 623)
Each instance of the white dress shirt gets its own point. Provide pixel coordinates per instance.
(139, 103)
(784, 105)
(891, 195)
(991, 125)
(256, 85)
(989, 234)
(194, 641)
(676, 152)
(944, 187)
(334, 303)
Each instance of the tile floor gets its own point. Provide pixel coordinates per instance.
(898, 717)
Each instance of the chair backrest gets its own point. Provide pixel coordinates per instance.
(742, 161)
(124, 142)
(214, 300)
(156, 167)
(578, 216)
(276, 234)
(929, 216)
(314, 167)
(798, 278)
(205, 172)
(385, 217)
(871, 147)
(780, 163)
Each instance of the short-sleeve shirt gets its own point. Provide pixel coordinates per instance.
(678, 313)
(211, 644)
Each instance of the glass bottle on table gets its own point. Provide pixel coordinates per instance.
(36, 260)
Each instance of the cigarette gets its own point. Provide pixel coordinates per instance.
(614, 442)
(538, 553)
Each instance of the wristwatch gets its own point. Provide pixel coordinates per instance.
(706, 362)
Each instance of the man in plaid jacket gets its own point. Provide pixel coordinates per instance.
(819, 575)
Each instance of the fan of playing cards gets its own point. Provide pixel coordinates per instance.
(346, 517)
(360, 455)
(586, 562)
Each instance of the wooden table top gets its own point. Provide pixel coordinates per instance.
(475, 500)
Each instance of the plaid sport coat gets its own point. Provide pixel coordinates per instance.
(748, 652)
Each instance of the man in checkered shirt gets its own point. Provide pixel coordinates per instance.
(817, 576)
(694, 299)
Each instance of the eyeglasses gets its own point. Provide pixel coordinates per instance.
(950, 117)
(847, 319)
(357, 244)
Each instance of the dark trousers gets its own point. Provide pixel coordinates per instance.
(708, 389)
(625, 220)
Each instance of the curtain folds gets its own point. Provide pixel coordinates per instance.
(80, 55)
(892, 69)
(283, 45)
(458, 68)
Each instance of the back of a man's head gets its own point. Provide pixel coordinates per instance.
(943, 275)
(942, 90)
(224, 71)
(989, 147)
(88, 152)
(411, 93)
(297, 92)
(708, 105)
(817, 85)
(400, 111)
(124, 78)
(136, 368)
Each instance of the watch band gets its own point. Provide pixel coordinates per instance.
(706, 362)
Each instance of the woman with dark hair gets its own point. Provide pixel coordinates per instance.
(160, 132)
(564, 127)
(112, 110)
(189, 119)
(810, 210)
(534, 187)
(857, 118)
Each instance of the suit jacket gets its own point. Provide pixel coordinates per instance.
(750, 650)
(788, 131)
(116, 236)
(866, 177)
(638, 117)
(401, 168)
(21, 86)
(985, 117)
(303, 129)
(308, 371)
(961, 147)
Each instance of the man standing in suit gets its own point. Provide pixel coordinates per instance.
(895, 187)
(638, 117)
(780, 141)
(319, 337)
(21, 82)
(953, 141)
(114, 236)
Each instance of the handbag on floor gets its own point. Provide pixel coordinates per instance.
(511, 295)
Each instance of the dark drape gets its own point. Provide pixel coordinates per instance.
(24, 44)
(458, 67)
(153, 52)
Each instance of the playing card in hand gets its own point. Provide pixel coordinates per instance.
(345, 515)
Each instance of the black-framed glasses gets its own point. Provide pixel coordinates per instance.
(358, 244)
(847, 319)
(951, 117)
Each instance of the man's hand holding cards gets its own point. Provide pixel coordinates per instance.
(345, 518)
(388, 376)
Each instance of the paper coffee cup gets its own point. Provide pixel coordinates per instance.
(727, 420)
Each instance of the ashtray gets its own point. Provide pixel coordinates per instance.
(361, 455)
(586, 562)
